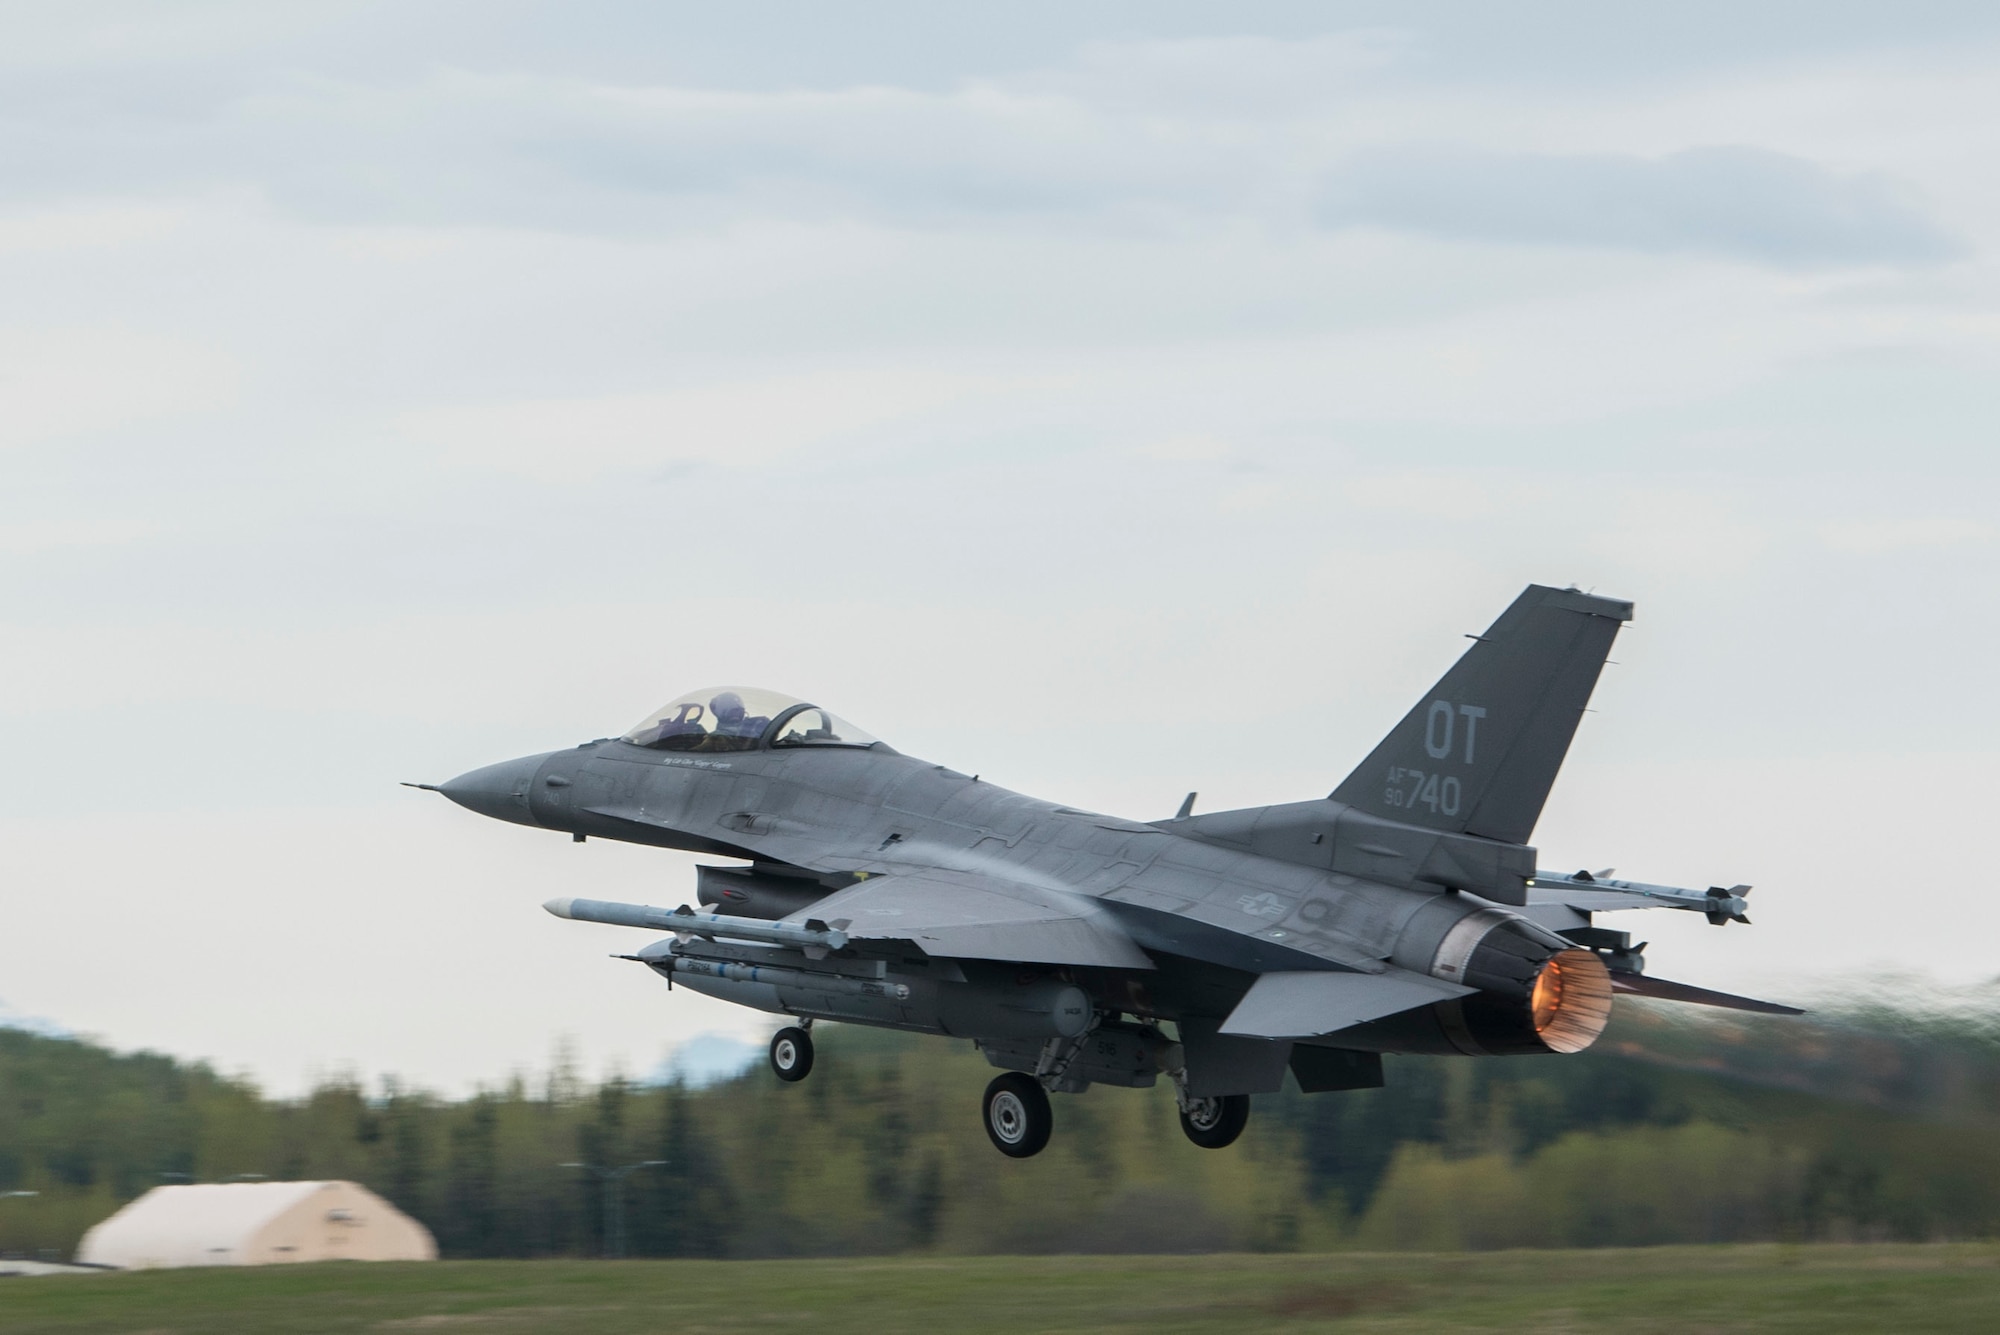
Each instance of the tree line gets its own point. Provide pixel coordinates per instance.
(1677, 1127)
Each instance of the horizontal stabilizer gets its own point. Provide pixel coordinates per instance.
(1313, 1002)
(1638, 984)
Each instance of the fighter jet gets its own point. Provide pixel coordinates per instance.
(1403, 912)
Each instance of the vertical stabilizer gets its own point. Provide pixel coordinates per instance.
(1480, 751)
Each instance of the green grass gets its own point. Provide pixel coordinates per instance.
(1683, 1290)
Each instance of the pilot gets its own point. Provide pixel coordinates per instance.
(733, 720)
(685, 722)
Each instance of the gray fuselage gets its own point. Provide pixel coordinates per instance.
(1210, 917)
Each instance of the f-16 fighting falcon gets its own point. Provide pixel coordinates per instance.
(1404, 912)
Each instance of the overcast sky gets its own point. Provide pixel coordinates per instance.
(1111, 399)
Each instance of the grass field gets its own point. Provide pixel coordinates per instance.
(1679, 1289)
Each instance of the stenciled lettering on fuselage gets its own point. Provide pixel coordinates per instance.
(1451, 734)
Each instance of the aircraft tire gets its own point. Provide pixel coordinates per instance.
(792, 1054)
(1017, 1116)
(1214, 1123)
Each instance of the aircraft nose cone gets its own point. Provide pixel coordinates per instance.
(499, 791)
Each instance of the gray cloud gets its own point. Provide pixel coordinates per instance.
(1139, 133)
(1744, 203)
(464, 148)
(459, 147)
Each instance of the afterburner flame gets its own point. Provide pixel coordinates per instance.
(1572, 1000)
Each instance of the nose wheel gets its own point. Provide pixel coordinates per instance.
(1215, 1122)
(1018, 1120)
(792, 1054)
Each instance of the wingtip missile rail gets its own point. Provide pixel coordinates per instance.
(684, 922)
(1719, 905)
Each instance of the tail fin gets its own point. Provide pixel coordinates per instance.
(1479, 754)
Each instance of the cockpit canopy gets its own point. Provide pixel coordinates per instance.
(739, 718)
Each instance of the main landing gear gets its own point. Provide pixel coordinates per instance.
(1215, 1122)
(792, 1053)
(1016, 1110)
(1018, 1120)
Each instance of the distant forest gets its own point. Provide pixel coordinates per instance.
(1677, 1127)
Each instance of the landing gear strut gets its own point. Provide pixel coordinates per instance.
(1215, 1122)
(1018, 1120)
(792, 1054)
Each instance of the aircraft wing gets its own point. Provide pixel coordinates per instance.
(965, 915)
(1313, 1002)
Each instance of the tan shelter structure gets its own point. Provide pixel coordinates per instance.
(255, 1223)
